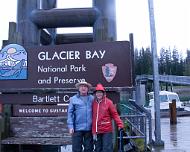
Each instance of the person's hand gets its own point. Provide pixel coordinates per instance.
(120, 129)
(95, 137)
(71, 131)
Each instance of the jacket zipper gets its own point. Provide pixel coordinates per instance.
(86, 116)
(97, 118)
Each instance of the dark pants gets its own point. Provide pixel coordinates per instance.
(82, 139)
(104, 143)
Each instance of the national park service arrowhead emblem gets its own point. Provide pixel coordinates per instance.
(109, 71)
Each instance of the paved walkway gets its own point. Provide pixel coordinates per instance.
(176, 137)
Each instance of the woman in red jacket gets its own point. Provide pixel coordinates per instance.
(103, 113)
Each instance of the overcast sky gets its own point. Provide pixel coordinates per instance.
(172, 19)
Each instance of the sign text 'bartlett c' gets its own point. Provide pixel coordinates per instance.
(50, 99)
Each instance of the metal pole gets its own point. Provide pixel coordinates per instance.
(158, 140)
(131, 40)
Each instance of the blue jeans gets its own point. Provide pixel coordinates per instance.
(82, 139)
(104, 143)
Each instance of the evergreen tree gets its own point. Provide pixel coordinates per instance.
(175, 62)
(143, 61)
(187, 64)
(162, 61)
(147, 61)
(168, 62)
(137, 62)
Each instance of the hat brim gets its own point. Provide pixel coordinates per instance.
(77, 85)
(99, 90)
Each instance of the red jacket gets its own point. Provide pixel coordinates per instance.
(103, 113)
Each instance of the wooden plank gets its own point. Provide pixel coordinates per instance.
(37, 141)
(18, 38)
(12, 31)
(81, 62)
(51, 98)
(47, 98)
(5, 42)
(39, 127)
(45, 38)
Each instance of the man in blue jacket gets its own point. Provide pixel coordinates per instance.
(80, 118)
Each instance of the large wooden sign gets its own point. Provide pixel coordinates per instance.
(63, 66)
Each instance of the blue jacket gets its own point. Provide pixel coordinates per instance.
(80, 113)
